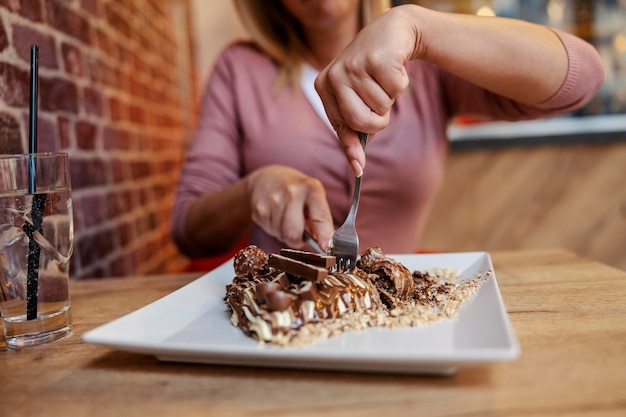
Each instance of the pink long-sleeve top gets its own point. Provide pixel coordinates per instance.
(245, 125)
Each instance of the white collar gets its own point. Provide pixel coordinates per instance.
(307, 81)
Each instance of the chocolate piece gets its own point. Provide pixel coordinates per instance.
(324, 261)
(263, 289)
(393, 277)
(298, 268)
(279, 300)
(250, 262)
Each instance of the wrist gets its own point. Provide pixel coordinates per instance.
(418, 21)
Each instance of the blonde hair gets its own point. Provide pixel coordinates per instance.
(279, 34)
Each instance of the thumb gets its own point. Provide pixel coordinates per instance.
(320, 222)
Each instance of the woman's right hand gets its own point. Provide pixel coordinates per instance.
(284, 201)
(359, 87)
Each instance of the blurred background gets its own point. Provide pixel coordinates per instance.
(121, 81)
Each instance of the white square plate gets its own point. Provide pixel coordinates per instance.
(192, 325)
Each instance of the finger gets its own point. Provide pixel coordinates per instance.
(318, 215)
(293, 222)
(345, 104)
(392, 78)
(276, 203)
(330, 103)
(357, 114)
(373, 96)
(261, 214)
(349, 140)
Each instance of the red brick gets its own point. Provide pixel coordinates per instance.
(58, 94)
(141, 224)
(140, 169)
(119, 79)
(19, 93)
(110, 75)
(86, 135)
(136, 114)
(158, 72)
(10, 135)
(125, 54)
(170, 120)
(120, 266)
(119, 171)
(123, 82)
(147, 198)
(31, 9)
(4, 39)
(107, 45)
(144, 143)
(134, 258)
(152, 93)
(95, 70)
(87, 172)
(68, 21)
(117, 139)
(137, 9)
(24, 37)
(158, 191)
(46, 133)
(64, 132)
(139, 64)
(137, 88)
(119, 204)
(116, 21)
(93, 101)
(170, 166)
(73, 60)
(145, 43)
(117, 109)
(91, 6)
(95, 206)
(156, 7)
(94, 247)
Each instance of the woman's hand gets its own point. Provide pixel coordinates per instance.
(360, 86)
(516, 59)
(284, 201)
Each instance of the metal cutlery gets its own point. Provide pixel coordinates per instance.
(344, 243)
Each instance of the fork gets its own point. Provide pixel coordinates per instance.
(344, 243)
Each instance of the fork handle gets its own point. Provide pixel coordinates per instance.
(356, 196)
(363, 138)
(312, 242)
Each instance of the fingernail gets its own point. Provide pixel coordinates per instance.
(356, 168)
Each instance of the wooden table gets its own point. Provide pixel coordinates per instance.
(569, 314)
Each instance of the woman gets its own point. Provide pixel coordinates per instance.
(266, 163)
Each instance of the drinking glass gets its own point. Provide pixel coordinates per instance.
(36, 243)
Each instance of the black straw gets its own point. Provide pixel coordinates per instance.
(34, 251)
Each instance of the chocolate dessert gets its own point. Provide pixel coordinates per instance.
(296, 297)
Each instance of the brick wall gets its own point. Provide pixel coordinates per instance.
(110, 95)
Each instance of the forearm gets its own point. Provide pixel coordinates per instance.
(516, 59)
(216, 221)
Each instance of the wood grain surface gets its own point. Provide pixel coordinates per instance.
(568, 313)
(571, 196)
